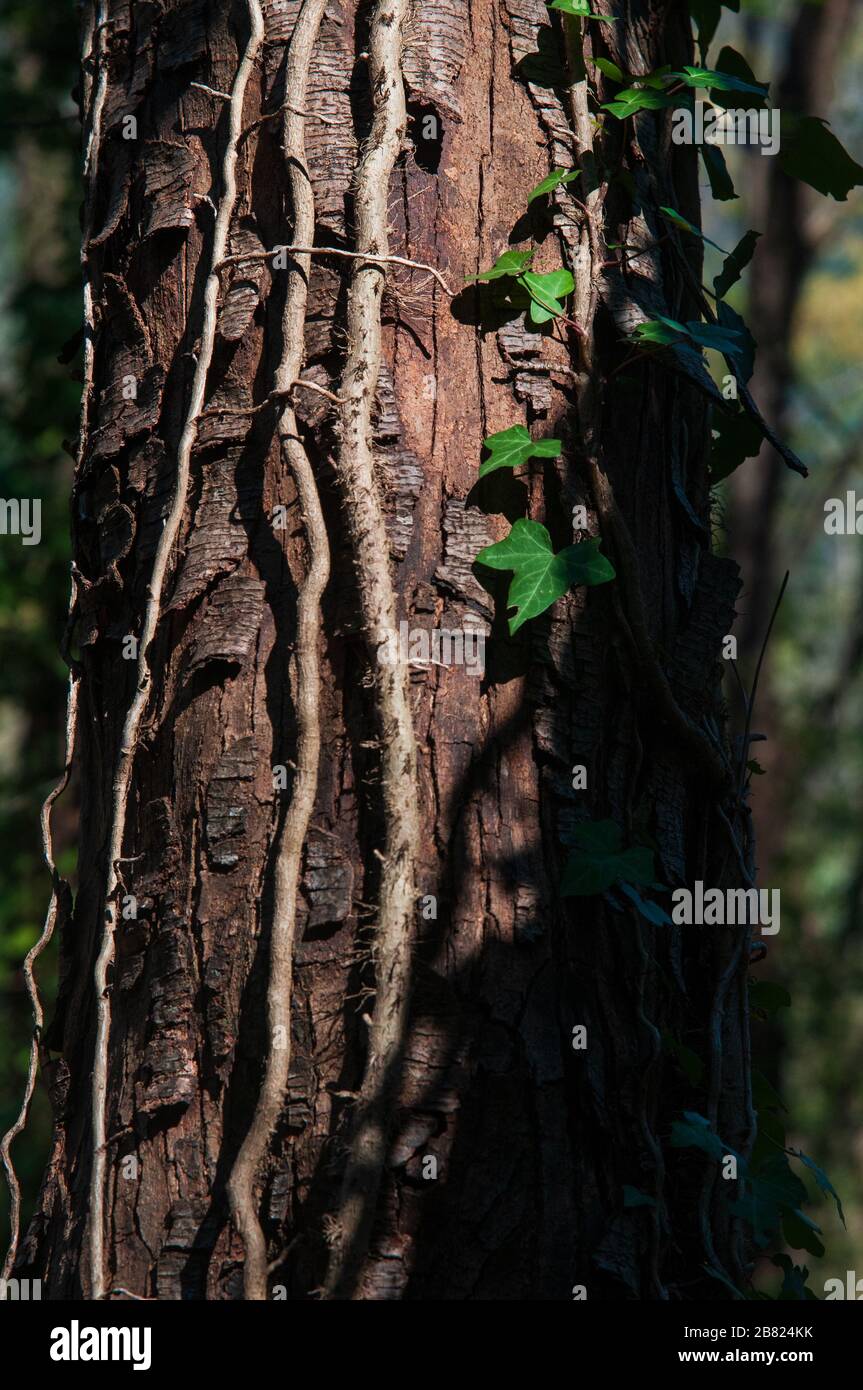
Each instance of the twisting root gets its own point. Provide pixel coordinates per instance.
(399, 780)
(57, 885)
(290, 840)
(95, 90)
(132, 725)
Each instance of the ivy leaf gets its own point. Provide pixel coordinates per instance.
(546, 292)
(579, 10)
(721, 185)
(706, 14)
(539, 576)
(770, 1193)
(733, 64)
(695, 1132)
(810, 152)
(822, 1180)
(680, 221)
(801, 1233)
(633, 1198)
(610, 69)
(633, 99)
(513, 447)
(720, 81)
(735, 264)
(650, 911)
(729, 340)
(735, 439)
(660, 330)
(741, 354)
(794, 1278)
(507, 263)
(553, 180)
(598, 861)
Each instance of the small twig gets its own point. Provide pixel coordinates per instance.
(223, 96)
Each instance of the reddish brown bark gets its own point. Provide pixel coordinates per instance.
(533, 1140)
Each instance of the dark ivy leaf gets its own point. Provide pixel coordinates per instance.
(811, 152)
(735, 439)
(822, 1180)
(735, 264)
(717, 172)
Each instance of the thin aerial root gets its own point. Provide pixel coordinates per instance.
(351, 1228)
(57, 885)
(373, 259)
(288, 848)
(95, 90)
(122, 778)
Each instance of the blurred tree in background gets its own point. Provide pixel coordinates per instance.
(803, 299)
(40, 311)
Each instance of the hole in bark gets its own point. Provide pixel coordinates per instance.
(425, 130)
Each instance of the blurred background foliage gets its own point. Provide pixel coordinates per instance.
(803, 299)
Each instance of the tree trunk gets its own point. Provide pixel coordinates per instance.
(507, 1146)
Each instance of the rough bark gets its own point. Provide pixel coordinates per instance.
(533, 1141)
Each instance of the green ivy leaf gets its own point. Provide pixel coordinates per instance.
(579, 10)
(598, 861)
(735, 264)
(634, 99)
(513, 447)
(539, 576)
(610, 69)
(680, 221)
(507, 263)
(810, 152)
(660, 330)
(553, 181)
(547, 290)
(719, 81)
